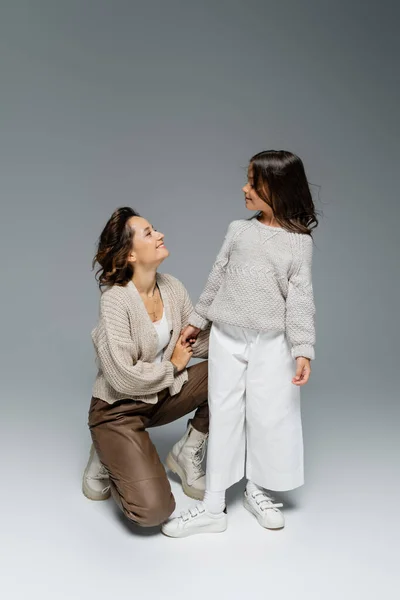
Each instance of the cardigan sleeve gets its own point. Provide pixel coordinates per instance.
(198, 318)
(115, 348)
(300, 308)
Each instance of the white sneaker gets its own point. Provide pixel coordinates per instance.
(195, 520)
(265, 509)
(185, 459)
(95, 481)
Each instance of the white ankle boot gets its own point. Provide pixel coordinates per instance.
(196, 520)
(185, 460)
(261, 504)
(95, 482)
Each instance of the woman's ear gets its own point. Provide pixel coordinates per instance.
(132, 258)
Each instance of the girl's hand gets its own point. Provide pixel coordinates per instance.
(188, 343)
(303, 371)
(189, 334)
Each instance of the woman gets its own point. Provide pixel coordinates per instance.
(142, 379)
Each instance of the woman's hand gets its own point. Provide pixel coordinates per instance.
(303, 371)
(189, 334)
(182, 354)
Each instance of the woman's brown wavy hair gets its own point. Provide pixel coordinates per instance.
(113, 248)
(280, 180)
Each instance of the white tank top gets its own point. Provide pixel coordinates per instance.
(164, 336)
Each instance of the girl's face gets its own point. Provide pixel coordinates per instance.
(252, 199)
(148, 244)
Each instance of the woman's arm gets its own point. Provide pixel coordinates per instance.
(115, 349)
(300, 308)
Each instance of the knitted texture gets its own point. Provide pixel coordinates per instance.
(126, 341)
(261, 280)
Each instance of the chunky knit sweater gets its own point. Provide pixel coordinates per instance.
(126, 342)
(261, 280)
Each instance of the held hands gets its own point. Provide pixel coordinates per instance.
(303, 371)
(183, 350)
(190, 333)
(182, 354)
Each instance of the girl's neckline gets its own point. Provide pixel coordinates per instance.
(271, 227)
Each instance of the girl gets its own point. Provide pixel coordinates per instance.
(259, 299)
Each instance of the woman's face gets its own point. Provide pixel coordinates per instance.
(148, 244)
(252, 199)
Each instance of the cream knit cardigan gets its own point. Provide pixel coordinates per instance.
(125, 341)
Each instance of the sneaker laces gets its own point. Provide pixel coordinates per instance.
(265, 501)
(192, 513)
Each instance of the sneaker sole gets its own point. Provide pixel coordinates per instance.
(215, 528)
(248, 507)
(177, 469)
(87, 491)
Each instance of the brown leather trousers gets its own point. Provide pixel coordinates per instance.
(138, 480)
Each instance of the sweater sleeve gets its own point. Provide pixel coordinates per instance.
(300, 308)
(112, 338)
(198, 318)
(200, 347)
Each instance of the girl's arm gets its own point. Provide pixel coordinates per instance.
(198, 318)
(200, 347)
(115, 348)
(300, 308)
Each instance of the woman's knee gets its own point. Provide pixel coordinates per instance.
(148, 504)
(156, 510)
(200, 371)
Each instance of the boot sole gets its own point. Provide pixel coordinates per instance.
(175, 468)
(91, 494)
(251, 511)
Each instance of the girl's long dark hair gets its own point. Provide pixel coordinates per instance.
(280, 180)
(113, 248)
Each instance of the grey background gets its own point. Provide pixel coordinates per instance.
(159, 105)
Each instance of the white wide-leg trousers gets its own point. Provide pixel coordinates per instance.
(255, 418)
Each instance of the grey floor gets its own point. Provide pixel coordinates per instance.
(341, 538)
